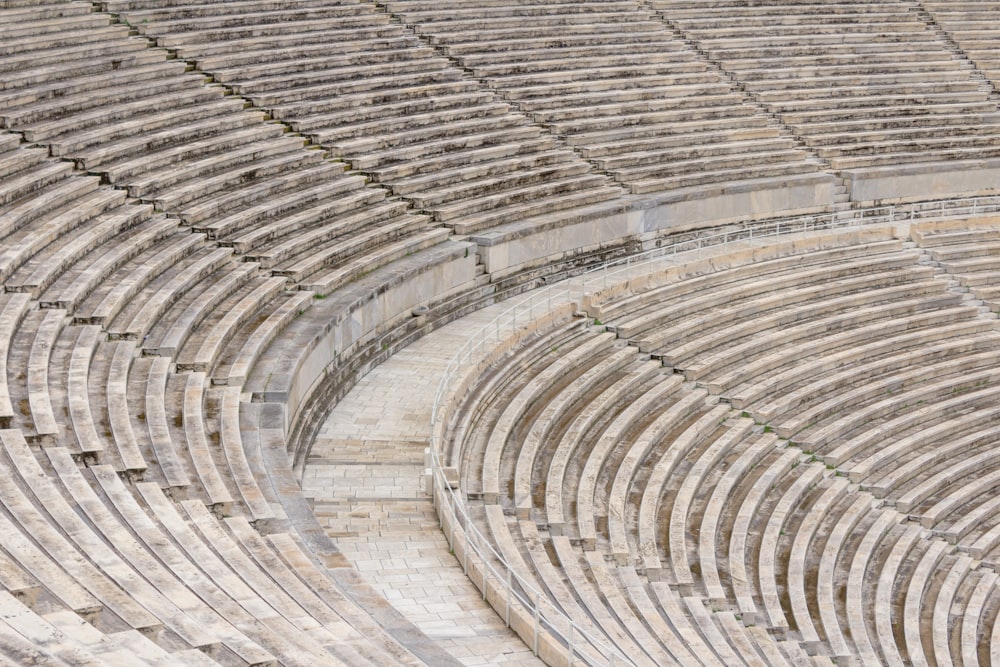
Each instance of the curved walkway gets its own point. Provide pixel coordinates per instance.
(364, 474)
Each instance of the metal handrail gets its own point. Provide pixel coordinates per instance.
(446, 500)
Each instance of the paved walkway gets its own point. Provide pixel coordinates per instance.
(364, 476)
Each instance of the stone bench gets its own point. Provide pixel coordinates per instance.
(194, 310)
(257, 506)
(15, 307)
(166, 576)
(31, 566)
(606, 605)
(859, 587)
(670, 405)
(917, 589)
(827, 584)
(206, 155)
(829, 399)
(589, 502)
(356, 211)
(575, 444)
(221, 588)
(651, 47)
(285, 213)
(297, 577)
(594, 618)
(19, 186)
(684, 131)
(984, 544)
(729, 376)
(928, 416)
(81, 419)
(44, 429)
(168, 458)
(102, 571)
(534, 453)
(372, 158)
(972, 635)
(639, 96)
(140, 257)
(245, 53)
(355, 235)
(60, 97)
(768, 565)
(672, 635)
(734, 272)
(787, 305)
(386, 112)
(793, 399)
(742, 578)
(548, 63)
(349, 79)
(332, 65)
(326, 281)
(214, 129)
(202, 349)
(177, 34)
(711, 633)
(543, 204)
(675, 609)
(709, 458)
(242, 360)
(714, 516)
(495, 451)
(661, 470)
(971, 521)
(943, 606)
(983, 484)
(119, 414)
(69, 202)
(970, 148)
(573, 80)
(444, 199)
(800, 561)
(851, 96)
(939, 480)
(289, 99)
(438, 172)
(886, 621)
(74, 285)
(229, 189)
(44, 255)
(42, 640)
(212, 483)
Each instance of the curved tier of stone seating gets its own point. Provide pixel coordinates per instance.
(686, 530)
(618, 85)
(135, 519)
(862, 84)
(372, 93)
(192, 150)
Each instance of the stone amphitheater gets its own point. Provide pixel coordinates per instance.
(499, 332)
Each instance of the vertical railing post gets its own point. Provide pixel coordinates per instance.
(537, 625)
(510, 595)
(572, 649)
